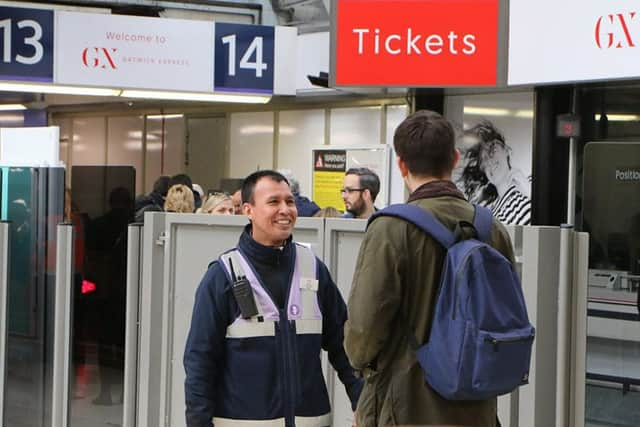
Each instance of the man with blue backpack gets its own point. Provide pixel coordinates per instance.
(437, 323)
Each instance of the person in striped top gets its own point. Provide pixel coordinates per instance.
(489, 179)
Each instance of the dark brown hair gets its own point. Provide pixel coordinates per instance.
(425, 142)
(368, 180)
(250, 182)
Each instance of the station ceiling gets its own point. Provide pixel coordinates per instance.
(306, 15)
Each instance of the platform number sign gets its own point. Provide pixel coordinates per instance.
(244, 58)
(26, 44)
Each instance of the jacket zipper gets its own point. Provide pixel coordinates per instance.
(289, 403)
(289, 386)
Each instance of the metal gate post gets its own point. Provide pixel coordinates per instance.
(4, 285)
(134, 271)
(62, 326)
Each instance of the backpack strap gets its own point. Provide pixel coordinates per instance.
(482, 222)
(422, 219)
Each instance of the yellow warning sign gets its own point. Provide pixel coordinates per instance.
(326, 189)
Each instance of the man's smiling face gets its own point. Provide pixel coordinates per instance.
(272, 212)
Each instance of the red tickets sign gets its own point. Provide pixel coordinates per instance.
(415, 43)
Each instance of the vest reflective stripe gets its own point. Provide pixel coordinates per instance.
(232, 422)
(306, 262)
(308, 326)
(307, 288)
(309, 299)
(302, 305)
(321, 421)
(251, 329)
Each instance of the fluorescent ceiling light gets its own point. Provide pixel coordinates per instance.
(12, 107)
(256, 129)
(263, 129)
(164, 116)
(485, 111)
(63, 90)
(145, 94)
(620, 117)
(11, 118)
(193, 96)
(525, 114)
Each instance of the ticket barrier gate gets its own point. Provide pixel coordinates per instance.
(58, 416)
(176, 250)
(551, 262)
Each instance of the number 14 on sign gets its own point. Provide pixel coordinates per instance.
(256, 47)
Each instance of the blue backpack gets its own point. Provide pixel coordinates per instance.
(480, 342)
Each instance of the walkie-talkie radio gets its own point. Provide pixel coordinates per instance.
(243, 294)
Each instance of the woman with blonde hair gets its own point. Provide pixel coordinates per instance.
(179, 199)
(217, 203)
(328, 212)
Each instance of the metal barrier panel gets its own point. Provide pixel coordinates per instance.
(150, 334)
(62, 326)
(178, 249)
(134, 270)
(563, 361)
(579, 328)
(508, 405)
(540, 272)
(342, 244)
(191, 243)
(4, 285)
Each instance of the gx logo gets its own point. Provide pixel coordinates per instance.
(99, 57)
(613, 30)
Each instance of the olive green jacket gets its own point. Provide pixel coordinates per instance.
(396, 278)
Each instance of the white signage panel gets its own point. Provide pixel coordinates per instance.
(31, 146)
(133, 52)
(554, 41)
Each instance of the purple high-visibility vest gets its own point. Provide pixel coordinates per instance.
(302, 305)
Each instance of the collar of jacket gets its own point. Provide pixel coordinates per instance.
(436, 189)
(262, 254)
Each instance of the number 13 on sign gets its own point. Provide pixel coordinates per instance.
(26, 36)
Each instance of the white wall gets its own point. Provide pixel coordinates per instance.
(357, 126)
(124, 142)
(252, 139)
(118, 140)
(101, 140)
(397, 190)
(251, 143)
(165, 149)
(89, 142)
(299, 132)
(312, 57)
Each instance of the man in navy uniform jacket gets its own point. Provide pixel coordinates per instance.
(261, 365)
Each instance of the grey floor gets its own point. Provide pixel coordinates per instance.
(609, 407)
(86, 386)
(84, 413)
